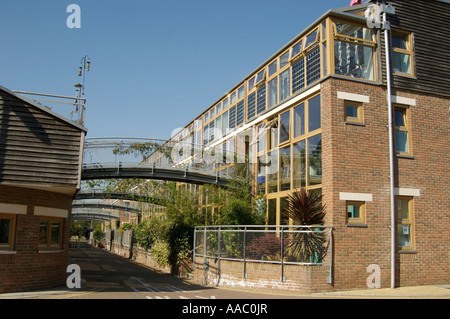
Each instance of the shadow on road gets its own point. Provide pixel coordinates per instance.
(104, 271)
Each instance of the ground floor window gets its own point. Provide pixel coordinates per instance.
(405, 223)
(7, 231)
(50, 233)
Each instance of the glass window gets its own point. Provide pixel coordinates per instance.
(54, 233)
(298, 76)
(296, 49)
(272, 172)
(272, 211)
(404, 223)
(353, 112)
(284, 218)
(284, 126)
(261, 99)
(272, 68)
(225, 104)
(251, 83)
(311, 38)
(273, 92)
(232, 119)
(273, 135)
(354, 60)
(7, 231)
(313, 66)
(251, 103)
(241, 91)
(262, 174)
(299, 120)
(205, 134)
(355, 212)
(402, 53)
(401, 131)
(284, 60)
(211, 131)
(285, 168)
(233, 98)
(285, 84)
(219, 108)
(219, 127)
(262, 138)
(402, 62)
(43, 225)
(315, 160)
(225, 123)
(349, 30)
(260, 76)
(240, 113)
(207, 117)
(314, 113)
(299, 164)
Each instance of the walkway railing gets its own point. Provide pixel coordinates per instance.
(277, 244)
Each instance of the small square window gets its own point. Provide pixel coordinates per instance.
(355, 213)
(353, 112)
(7, 231)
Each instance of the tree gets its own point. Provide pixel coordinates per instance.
(306, 208)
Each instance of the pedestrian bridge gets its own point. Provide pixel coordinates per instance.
(118, 158)
(121, 158)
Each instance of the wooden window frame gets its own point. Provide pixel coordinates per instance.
(48, 245)
(408, 51)
(405, 128)
(362, 213)
(335, 36)
(409, 221)
(12, 231)
(350, 119)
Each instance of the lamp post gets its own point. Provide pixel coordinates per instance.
(85, 65)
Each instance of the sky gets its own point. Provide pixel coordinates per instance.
(155, 65)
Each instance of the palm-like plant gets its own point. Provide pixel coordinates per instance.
(306, 209)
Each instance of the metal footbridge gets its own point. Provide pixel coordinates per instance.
(141, 159)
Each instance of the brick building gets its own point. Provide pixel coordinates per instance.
(318, 112)
(40, 169)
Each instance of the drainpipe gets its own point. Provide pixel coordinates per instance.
(386, 28)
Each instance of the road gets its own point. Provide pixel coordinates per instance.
(105, 275)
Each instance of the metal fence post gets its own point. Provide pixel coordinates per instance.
(218, 255)
(281, 254)
(244, 253)
(194, 248)
(330, 252)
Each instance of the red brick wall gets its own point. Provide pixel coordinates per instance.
(356, 159)
(28, 269)
(301, 278)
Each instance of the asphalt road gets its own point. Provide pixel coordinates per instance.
(105, 275)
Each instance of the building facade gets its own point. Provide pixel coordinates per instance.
(40, 170)
(316, 115)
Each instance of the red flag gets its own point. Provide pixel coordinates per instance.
(355, 2)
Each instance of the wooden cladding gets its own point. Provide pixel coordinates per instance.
(427, 22)
(36, 148)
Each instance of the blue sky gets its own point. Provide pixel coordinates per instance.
(154, 65)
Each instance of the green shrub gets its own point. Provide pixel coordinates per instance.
(161, 252)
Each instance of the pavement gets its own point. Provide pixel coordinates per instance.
(414, 292)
